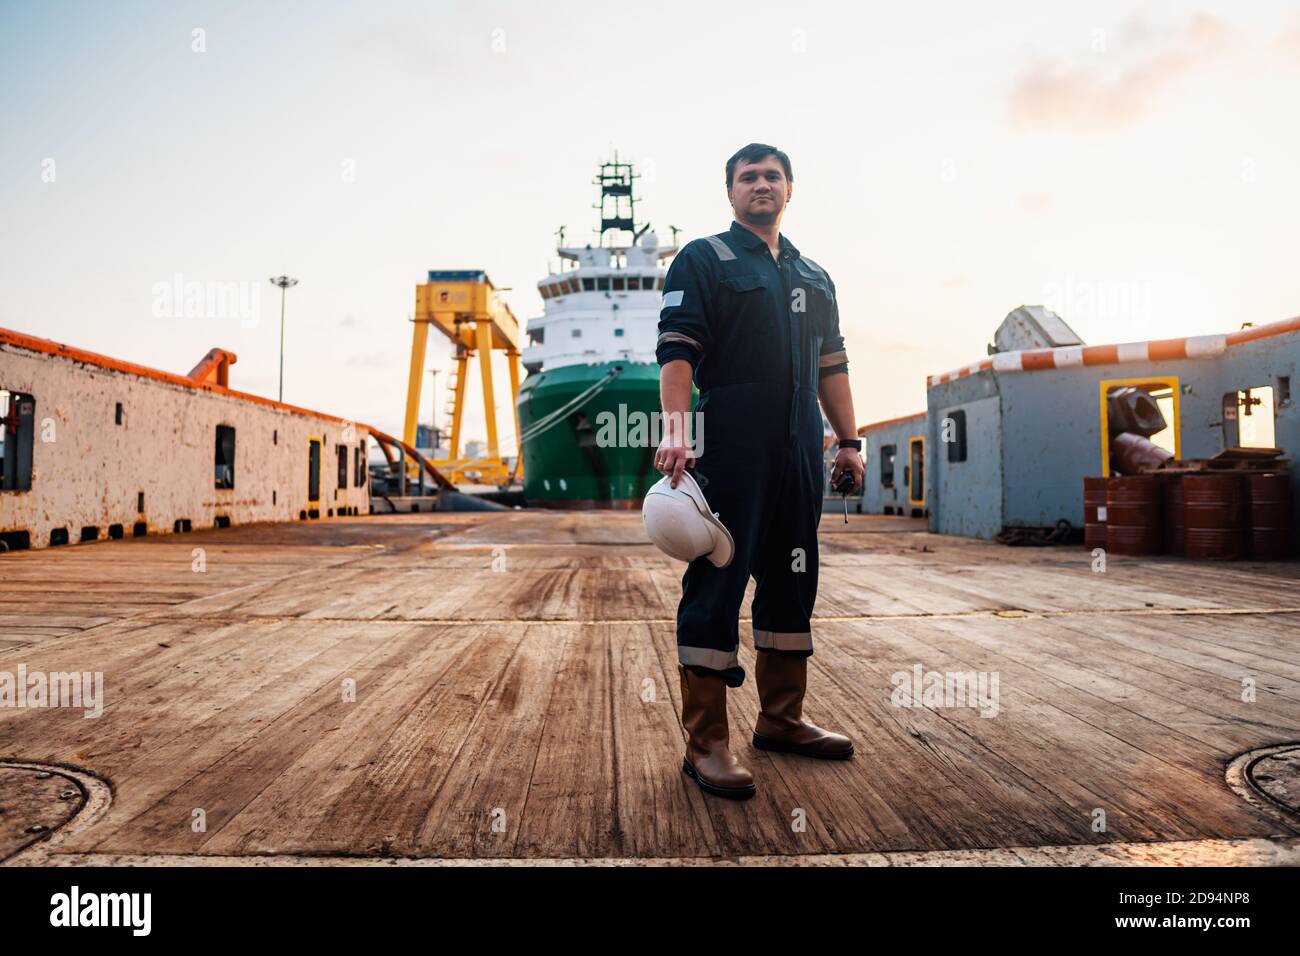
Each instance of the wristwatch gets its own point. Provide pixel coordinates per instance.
(854, 443)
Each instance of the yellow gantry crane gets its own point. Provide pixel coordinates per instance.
(463, 305)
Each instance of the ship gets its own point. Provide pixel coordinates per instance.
(588, 407)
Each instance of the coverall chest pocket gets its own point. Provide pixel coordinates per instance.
(741, 288)
(817, 299)
(746, 304)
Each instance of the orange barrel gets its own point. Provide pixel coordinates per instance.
(1270, 516)
(1133, 514)
(1132, 454)
(1174, 514)
(1094, 513)
(1214, 516)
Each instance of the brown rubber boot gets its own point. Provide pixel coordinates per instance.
(708, 761)
(782, 680)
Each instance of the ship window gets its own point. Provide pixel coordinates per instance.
(633, 283)
(576, 333)
(567, 286)
(555, 290)
(17, 426)
(359, 465)
(546, 293)
(618, 333)
(660, 284)
(916, 474)
(887, 455)
(954, 434)
(619, 284)
(225, 457)
(602, 283)
(537, 336)
(1250, 410)
(343, 465)
(588, 284)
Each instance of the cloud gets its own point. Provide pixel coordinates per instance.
(1289, 43)
(373, 360)
(1062, 92)
(1034, 202)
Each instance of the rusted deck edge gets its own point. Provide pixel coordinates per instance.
(1252, 851)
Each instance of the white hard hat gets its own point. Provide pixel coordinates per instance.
(680, 524)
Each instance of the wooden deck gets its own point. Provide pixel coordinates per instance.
(530, 710)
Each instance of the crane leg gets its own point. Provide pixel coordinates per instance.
(458, 410)
(419, 341)
(483, 330)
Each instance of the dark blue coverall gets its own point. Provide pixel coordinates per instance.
(759, 333)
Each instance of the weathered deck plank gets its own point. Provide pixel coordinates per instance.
(518, 696)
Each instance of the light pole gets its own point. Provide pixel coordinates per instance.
(285, 283)
(433, 415)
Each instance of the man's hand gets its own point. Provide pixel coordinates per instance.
(837, 401)
(847, 459)
(672, 456)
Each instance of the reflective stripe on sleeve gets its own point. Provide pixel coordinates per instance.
(679, 337)
(832, 358)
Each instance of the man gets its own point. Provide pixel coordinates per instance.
(756, 326)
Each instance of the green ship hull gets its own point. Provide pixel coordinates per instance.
(587, 451)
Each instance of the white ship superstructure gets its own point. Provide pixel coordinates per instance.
(603, 304)
(604, 308)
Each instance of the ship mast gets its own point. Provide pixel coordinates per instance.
(617, 202)
(617, 232)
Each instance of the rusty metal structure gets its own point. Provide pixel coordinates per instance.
(1026, 437)
(93, 447)
(1011, 437)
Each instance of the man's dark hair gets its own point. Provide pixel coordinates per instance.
(752, 154)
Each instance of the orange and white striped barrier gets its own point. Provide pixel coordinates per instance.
(1157, 350)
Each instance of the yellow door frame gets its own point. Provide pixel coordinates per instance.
(911, 474)
(1167, 381)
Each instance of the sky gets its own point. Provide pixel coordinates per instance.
(1130, 165)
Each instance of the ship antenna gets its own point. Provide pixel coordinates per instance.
(617, 200)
